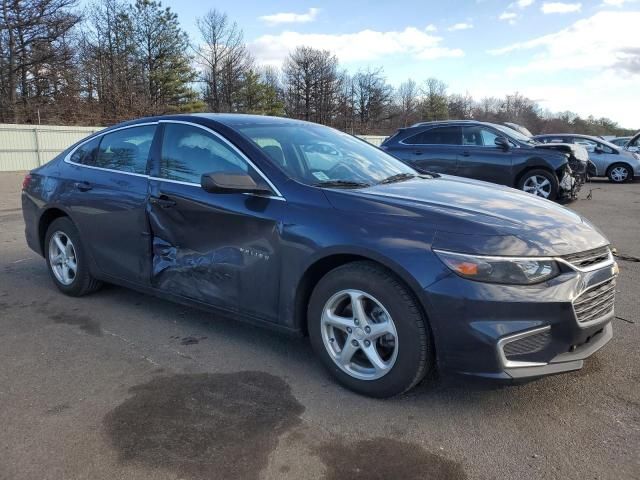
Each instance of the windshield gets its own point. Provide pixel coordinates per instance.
(515, 134)
(322, 156)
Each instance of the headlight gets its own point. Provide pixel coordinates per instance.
(505, 270)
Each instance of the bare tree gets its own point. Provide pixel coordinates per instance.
(434, 104)
(311, 84)
(224, 59)
(373, 96)
(110, 66)
(460, 107)
(407, 97)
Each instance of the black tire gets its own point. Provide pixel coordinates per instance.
(414, 358)
(537, 172)
(83, 282)
(618, 168)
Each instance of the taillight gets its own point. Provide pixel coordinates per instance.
(26, 181)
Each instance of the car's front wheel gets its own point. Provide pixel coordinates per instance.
(619, 173)
(540, 183)
(368, 330)
(66, 259)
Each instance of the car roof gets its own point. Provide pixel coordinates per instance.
(233, 120)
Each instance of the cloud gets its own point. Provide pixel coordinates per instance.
(560, 7)
(289, 17)
(460, 26)
(605, 41)
(359, 46)
(431, 28)
(628, 60)
(615, 3)
(560, 98)
(510, 17)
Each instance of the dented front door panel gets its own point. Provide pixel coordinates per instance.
(220, 249)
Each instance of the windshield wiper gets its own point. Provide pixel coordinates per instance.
(342, 184)
(398, 177)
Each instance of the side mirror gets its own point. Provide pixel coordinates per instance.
(224, 182)
(502, 142)
(598, 149)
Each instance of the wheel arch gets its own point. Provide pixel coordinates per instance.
(47, 218)
(322, 265)
(623, 163)
(529, 168)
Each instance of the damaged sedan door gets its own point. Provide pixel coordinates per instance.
(218, 247)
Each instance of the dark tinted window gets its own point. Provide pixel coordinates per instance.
(126, 150)
(188, 152)
(437, 136)
(86, 154)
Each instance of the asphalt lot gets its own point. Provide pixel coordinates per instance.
(119, 385)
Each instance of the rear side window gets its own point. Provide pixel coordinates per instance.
(85, 154)
(126, 150)
(437, 136)
(188, 152)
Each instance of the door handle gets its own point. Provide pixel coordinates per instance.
(417, 152)
(466, 153)
(162, 201)
(83, 186)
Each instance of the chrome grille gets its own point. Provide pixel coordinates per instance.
(588, 258)
(530, 344)
(595, 302)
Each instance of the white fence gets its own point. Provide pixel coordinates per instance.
(23, 147)
(373, 139)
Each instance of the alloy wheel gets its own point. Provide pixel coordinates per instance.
(619, 174)
(537, 185)
(359, 334)
(63, 258)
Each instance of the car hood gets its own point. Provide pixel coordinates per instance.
(475, 217)
(578, 151)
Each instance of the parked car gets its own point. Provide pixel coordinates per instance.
(309, 230)
(519, 128)
(633, 145)
(620, 141)
(609, 160)
(490, 152)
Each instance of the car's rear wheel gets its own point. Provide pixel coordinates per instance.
(540, 183)
(368, 330)
(66, 259)
(619, 173)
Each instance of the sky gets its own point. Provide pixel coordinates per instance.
(582, 57)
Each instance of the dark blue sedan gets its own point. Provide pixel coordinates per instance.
(390, 272)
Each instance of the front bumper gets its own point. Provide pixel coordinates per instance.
(515, 332)
(574, 177)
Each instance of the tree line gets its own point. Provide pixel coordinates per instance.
(116, 60)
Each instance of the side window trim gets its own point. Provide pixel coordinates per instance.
(100, 136)
(235, 149)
